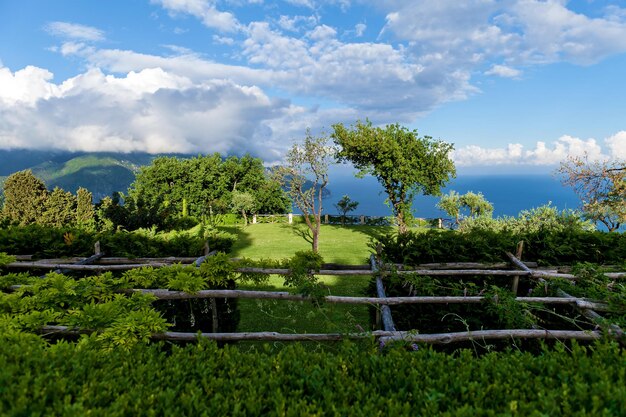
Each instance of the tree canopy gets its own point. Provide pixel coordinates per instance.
(173, 187)
(305, 175)
(600, 186)
(24, 198)
(404, 163)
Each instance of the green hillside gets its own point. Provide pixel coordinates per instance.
(100, 173)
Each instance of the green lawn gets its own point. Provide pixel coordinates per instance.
(338, 244)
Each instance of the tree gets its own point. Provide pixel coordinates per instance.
(308, 161)
(451, 204)
(174, 187)
(59, 209)
(404, 163)
(85, 213)
(271, 198)
(244, 203)
(600, 186)
(454, 203)
(24, 198)
(344, 206)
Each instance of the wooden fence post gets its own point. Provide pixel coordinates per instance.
(254, 219)
(518, 255)
(290, 217)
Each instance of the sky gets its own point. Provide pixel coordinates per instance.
(513, 84)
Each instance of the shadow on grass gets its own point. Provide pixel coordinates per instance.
(307, 316)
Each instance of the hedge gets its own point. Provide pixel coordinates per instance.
(202, 380)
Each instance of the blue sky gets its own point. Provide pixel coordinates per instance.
(513, 84)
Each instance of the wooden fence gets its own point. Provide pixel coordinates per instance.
(515, 269)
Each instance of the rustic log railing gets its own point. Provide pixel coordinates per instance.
(587, 307)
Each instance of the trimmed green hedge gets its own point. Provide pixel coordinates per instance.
(45, 242)
(77, 380)
(547, 248)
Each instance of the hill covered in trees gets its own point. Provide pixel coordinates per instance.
(100, 173)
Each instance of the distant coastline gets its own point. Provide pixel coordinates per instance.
(509, 194)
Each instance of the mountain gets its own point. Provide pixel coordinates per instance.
(100, 173)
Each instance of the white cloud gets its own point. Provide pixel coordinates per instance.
(617, 145)
(542, 154)
(504, 71)
(74, 31)
(205, 10)
(359, 29)
(151, 110)
(516, 31)
(302, 3)
(26, 86)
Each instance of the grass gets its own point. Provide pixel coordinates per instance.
(338, 244)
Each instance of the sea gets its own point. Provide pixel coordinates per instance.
(509, 194)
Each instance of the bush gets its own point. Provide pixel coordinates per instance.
(46, 242)
(201, 379)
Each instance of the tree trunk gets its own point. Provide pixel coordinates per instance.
(401, 223)
(245, 217)
(315, 238)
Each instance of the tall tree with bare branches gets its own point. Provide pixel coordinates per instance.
(600, 186)
(305, 175)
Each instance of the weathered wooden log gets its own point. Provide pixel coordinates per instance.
(385, 311)
(74, 267)
(462, 265)
(163, 294)
(283, 271)
(590, 314)
(384, 336)
(445, 338)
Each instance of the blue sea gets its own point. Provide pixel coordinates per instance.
(509, 194)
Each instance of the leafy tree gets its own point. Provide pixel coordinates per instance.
(344, 206)
(244, 203)
(85, 213)
(308, 161)
(451, 204)
(271, 198)
(474, 204)
(404, 163)
(600, 186)
(59, 209)
(24, 198)
(200, 186)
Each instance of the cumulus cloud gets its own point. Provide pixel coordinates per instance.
(543, 153)
(359, 29)
(74, 31)
(617, 145)
(516, 31)
(205, 10)
(151, 110)
(504, 71)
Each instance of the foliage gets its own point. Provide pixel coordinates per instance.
(59, 209)
(476, 205)
(543, 219)
(600, 186)
(243, 202)
(344, 206)
(202, 186)
(306, 163)
(24, 198)
(202, 379)
(564, 247)
(403, 163)
(85, 211)
(53, 242)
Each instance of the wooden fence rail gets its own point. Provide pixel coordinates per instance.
(380, 271)
(384, 336)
